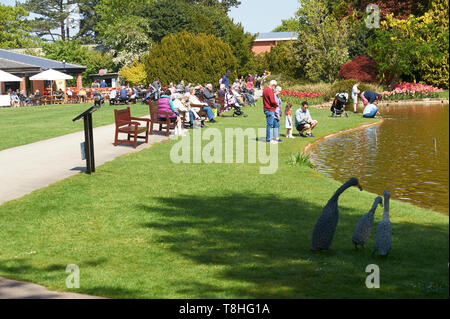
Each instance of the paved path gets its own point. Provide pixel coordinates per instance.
(33, 166)
(11, 289)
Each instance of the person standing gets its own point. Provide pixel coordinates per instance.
(270, 105)
(278, 113)
(369, 97)
(288, 120)
(103, 84)
(355, 92)
(226, 80)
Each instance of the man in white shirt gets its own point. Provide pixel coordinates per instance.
(303, 121)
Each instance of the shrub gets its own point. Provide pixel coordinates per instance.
(361, 68)
(198, 58)
(300, 159)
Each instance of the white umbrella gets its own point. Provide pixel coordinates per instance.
(51, 75)
(8, 77)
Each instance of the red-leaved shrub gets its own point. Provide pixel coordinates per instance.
(361, 68)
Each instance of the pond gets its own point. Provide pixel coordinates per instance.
(408, 154)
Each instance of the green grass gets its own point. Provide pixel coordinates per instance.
(24, 125)
(143, 227)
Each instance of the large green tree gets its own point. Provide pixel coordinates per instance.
(52, 17)
(14, 28)
(200, 58)
(321, 40)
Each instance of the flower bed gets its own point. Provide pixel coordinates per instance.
(408, 91)
(298, 97)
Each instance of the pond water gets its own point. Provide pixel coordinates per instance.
(407, 154)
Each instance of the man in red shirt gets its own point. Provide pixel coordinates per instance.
(270, 104)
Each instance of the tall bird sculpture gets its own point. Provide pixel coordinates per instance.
(362, 230)
(325, 228)
(383, 236)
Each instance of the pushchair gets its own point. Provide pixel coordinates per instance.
(231, 101)
(338, 106)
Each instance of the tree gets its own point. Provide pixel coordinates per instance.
(224, 5)
(321, 40)
(14, 28)
(74, 52)
(51, 16)
(134, 73)
(193, 58)
(128, 39)
(88, 20)
(289, 25)
(411, 47)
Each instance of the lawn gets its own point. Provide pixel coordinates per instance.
(144, 227)
(24, 125)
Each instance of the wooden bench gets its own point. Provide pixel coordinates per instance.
(129, 125)
(164, 123)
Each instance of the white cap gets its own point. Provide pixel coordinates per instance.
(273, 82)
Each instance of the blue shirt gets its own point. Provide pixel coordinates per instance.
(226, 81)
(123, 94)
(103, 85)
(370, 96)
(370, 109)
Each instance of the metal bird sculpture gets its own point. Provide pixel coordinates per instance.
(383, 236)
(325, 228)
(362, 230)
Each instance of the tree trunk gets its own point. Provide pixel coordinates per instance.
(394, 81)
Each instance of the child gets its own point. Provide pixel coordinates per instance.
(288, 120)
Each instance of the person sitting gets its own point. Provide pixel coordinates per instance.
(60, 94)
(222, 92)
(165, 104)
(123, 95)
(112, 96)
(37, 98)
(15, 101)
(98, 99)
(24, 100)
(303, 121)
(193, 99)
(180, 88)
(181, 103)
(370, 111)
(210, 98)
(82, 94)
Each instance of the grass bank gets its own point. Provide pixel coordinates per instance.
(24, 125)
(144, 227)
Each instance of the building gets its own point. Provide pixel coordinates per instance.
(24, 66)
(265, 41)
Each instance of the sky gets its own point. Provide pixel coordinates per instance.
(257, 16)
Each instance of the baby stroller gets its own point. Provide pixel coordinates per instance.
(338, 106)
(230, 100)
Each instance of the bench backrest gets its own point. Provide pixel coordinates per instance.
(122, 117)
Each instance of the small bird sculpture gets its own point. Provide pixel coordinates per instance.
(362, 230)
(325, 228)
(383, 236)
